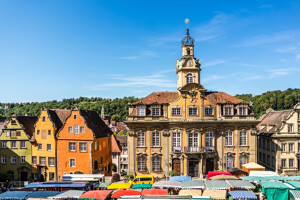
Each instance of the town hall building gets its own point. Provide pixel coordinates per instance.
(190, 131)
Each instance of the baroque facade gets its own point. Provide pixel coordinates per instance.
(190, 131)
(278, 141)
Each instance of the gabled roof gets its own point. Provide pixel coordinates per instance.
(222, 97)
(95, 123)
(59, 116)
(158, 97)
(114, 145)
(28, 123)
(275, 119)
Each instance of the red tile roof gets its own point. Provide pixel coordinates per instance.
(114, 145)
(159, 97)
(222, 97)
(274, 118)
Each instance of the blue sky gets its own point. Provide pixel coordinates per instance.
(50, 50)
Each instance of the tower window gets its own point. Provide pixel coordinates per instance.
(189, 78)
(188, 51)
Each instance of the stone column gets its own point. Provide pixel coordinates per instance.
(201, 166)
(201, 106)
(148, 151)
(131, 152)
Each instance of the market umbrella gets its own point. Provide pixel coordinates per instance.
(223, 177)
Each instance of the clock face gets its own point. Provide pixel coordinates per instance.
(190, 62)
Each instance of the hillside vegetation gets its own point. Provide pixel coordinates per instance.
(118, 108)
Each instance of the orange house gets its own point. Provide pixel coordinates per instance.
(83, 145)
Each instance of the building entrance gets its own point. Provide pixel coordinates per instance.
(176, 166)
(193, 168)
(209, 165)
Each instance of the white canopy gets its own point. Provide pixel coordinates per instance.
(263, 173)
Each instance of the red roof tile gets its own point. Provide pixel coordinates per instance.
(274, 118)
(159, 97)
(114, 145)
(222, 97)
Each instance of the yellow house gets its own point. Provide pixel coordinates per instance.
(44, 167)
(190, 131)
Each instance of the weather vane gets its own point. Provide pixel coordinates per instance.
(187, 21)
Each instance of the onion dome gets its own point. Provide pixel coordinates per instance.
(187, 40)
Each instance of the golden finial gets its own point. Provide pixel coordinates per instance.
(187, 21)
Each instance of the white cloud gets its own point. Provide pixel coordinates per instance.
(286, 49)
(268, 74)
(130, 57)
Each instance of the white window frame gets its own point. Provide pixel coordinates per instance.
(13, 159)
(51, 161)
(189, 78)
(22, 144)
(228, 110)
(290, 128)
(291, 147)
(243, 138)
(42, 160)
(3, 159)
(193, 142)
(229, 162)
(13, 144)
(293, 162)
(23, 159)
(82, 129)
(82, 147)
(49, 149)
(283, 147)
(156, 164)
(141, 163)
(34, 160)
(176, 111)
(243, 110)
(193, 111)
(70, 129)
(141, 111)
(72, 146)
(176, 141)
(155, 139)
(72, 162)
(155, 111)
(229, 138)
(209, 110)
(40, 147)
(4, 144)
(283, 163)
(209, 140)
(141, 140)
(7, 133)
(76, 129)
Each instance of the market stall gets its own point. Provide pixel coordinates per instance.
(215, 194)
(213, 173)
(141, 186)
(167, 184)
(242, 195)
(120, 193)
(217, 185)
(224, 177)
(240, 184)
(119, 186)
(190, 192)
(252, 167)
(180, 178)
(96, 194)
(14, 195)
(275, 190)
(42, 194)
(68, 195)
(195, 184)
(159, 192)
(295, 194)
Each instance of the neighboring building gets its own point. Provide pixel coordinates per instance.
(44, 143)
(116, 151)
(278, 141)
(2, 125)
(84, 145)
(191, 131)
(121, 127)
(16, 148)
(124, 154)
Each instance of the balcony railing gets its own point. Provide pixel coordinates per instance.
(176, 149)
(198, 149)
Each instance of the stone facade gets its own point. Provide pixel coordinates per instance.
(191, 131)
(278, 141)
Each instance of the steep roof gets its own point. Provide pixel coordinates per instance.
(275, 119)
(115, 148)
(95, 123)
(59, 116)
(159, 97)
(28, 123)
(222, 97)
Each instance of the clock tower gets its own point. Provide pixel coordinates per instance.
(188, 67)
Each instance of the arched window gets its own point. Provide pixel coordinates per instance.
(95, 164)
(188, 51)
(189, 78)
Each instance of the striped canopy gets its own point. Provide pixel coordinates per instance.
(240, 184)
(296, 194)
(242, 195)
(195, 184)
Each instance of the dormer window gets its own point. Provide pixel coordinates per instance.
(209, 110)
(141, 112)
(228, 110)
(155, 111)
(189, 78)
(193, 111)
(243, 110)
(176, 111)
(290, 128)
